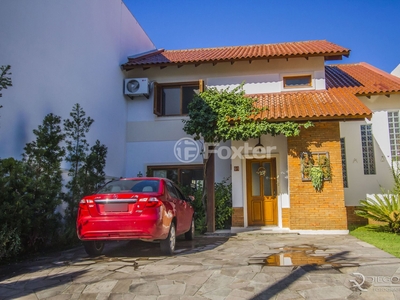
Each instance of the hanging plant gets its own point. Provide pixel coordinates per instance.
(317, 177)
(316, 170)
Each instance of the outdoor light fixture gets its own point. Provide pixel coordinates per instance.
(139, 174)
(259, 146)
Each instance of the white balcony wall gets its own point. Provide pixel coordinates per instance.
(62, 53)
(359, 185)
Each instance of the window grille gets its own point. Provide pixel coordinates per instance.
(344, 162)
(367, 144)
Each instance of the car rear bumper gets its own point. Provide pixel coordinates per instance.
(115, 228)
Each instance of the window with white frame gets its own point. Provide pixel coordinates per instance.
(301, 81)
(344, 162)
(367, 144)
(394, 134)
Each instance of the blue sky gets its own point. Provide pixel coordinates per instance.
(369, 28)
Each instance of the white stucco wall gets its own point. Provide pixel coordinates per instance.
(396, 71)
(62, 53)
(144, 127)
(275, 147)
(359, 185)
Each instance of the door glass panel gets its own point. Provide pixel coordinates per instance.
(255, 179)
(267, 180)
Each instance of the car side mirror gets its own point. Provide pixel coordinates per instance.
(191, 198)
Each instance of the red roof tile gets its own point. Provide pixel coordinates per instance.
(312, 105)
(361, 79)
(265, 51)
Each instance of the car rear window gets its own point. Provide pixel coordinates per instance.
(136, 186)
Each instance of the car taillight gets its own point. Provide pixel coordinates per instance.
(84, 201)
(153, 202)
(83, 204)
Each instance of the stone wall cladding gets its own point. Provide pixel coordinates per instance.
(309, 209)
(353, 219)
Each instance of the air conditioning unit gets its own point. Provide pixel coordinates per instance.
(136, 86)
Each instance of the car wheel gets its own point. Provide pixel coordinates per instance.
(93, 248)
(190, 234)
(168, 245)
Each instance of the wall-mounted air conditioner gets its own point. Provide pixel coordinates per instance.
(136, 87)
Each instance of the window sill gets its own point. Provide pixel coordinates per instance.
(171, 118)
(300, 88)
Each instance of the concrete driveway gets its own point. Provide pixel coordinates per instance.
(252, 265)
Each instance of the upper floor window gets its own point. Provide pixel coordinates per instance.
(367, 144)
(297, 81)
(172, 99)
(394, 134)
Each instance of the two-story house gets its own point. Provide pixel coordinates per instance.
(354, 109)
(62, 53)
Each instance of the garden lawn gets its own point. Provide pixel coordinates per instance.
(377, 236)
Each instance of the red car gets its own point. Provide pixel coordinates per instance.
(146, 208)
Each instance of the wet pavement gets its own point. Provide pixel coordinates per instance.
(252, 265)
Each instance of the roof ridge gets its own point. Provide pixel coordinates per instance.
(251, 45)
(348, 64)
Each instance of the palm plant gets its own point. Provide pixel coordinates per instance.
(383, 207)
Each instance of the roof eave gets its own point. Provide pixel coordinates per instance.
(327, 56)
(342, 118)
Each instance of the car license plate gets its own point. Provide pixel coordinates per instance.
(116, 207)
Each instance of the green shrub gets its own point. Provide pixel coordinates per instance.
(223, 206)
(383, 207)
(14, 201)
(10, 242)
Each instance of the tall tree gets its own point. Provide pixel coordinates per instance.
(221, 115)
(77, 147)
(93, 169)
(43, 159)
(5, 80)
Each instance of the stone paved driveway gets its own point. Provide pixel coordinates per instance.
(246, 266)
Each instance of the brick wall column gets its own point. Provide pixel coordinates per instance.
(309, 209)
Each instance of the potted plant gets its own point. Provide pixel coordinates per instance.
(315, 167)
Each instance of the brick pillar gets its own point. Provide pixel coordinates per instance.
(309, 209)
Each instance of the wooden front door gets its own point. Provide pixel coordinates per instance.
(262, 206)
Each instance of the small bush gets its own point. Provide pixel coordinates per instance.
(382, 208)
(223, 206)
(10, 242)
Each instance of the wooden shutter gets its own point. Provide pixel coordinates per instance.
(201, 85)
(157, 108)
